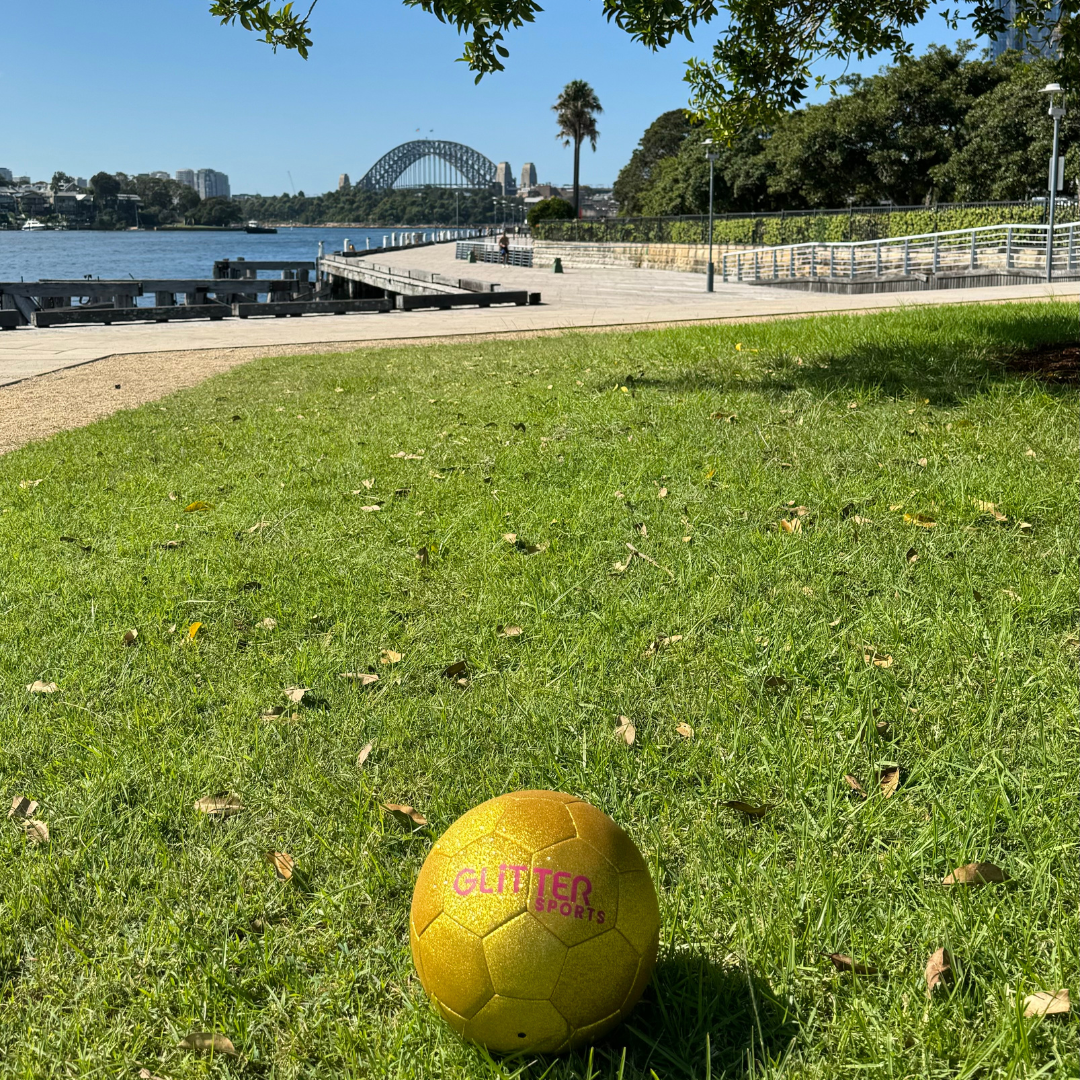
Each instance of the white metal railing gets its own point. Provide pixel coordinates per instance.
(517, 255)
(990, 248)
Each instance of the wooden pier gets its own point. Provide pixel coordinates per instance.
(339, 284)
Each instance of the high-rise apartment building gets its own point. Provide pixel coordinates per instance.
(186, 177)
(5, 176)
(528, 175)
(160, 175)
(343, 182)
(1041, 44)
(211, 184)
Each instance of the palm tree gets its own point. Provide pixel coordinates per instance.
(576, 108)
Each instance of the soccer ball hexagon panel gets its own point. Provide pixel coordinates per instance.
(534, 923)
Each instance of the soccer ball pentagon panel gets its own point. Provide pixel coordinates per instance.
(534, 923)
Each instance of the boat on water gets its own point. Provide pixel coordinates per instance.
(33, 225)
(255, 227)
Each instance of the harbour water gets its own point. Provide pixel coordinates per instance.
(33, 256)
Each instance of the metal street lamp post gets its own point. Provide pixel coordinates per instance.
(1057, 112)
(709, 265)
(494, 213)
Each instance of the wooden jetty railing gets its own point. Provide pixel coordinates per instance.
(334, 285)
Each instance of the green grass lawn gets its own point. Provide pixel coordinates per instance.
(140, 920)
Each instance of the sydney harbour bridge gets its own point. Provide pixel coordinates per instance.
(431, 163)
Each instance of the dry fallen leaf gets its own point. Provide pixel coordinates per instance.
(272, 714)
(452, 671)
(296, 693)
(374, 508)
(37, 832)
(641, 529)
(282, 862)
(388, 656)
(24, 484)
(920, 520)
(22, 807)
(405, 815)
(883, 729)
(129, 637)
(258, 526)
(746, 809)
(195, 507)
(39, 687)
(508, 631)
(1043, 1003)
(268, 623)
(792, 526)
(888, 780)
(877, 659)
(408, 457)
(836, 621)
(663, 493)
(221, 805)
(146, 1074)
(209, 1042)
(662, 642)
(685, 730)
(649, 559)
(1027, 453)
(921, 463)
(727, 418)
(939, 971)
(192, 630)
(845, 963)
(853, 404)
(365, 753)
(369, 484)
(364, 678)
(862, 520)
(423, 556)
(853, 783)
(976, 873)
(626, 730)
(912, 555)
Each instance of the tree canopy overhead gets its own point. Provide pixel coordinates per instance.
(762, 62)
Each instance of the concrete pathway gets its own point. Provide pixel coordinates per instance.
(579, 298)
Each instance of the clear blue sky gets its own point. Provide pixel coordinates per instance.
(140, 85)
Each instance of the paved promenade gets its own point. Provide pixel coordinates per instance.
(579, 298)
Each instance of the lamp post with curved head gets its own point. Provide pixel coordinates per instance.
(709, 265)
(1056, 113)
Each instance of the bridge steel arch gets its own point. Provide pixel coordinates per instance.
(478, 170)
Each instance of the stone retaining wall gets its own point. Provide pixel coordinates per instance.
(581, 256)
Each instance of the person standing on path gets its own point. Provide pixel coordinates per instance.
(504, 247)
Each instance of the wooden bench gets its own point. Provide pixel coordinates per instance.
(293, 308)
(453, 300)
(82, 316)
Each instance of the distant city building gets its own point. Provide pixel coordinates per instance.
(161, 175)
(343, 183)
(1043, 43)
(186, 177)
(5, 176)
(528, 175)
(81, 182)
(211, 184)
(504, 178)
(20, 179)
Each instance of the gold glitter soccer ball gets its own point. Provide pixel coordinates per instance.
(534, 923)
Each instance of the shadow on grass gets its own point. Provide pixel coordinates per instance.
(996, 347)
(692, 1006)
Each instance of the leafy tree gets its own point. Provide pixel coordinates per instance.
(60, 180)
(763, 61)
(575, 111)
(662, 139)
(921, 131)
(217, 211)
(1008, 127)
(105, 188)
(554, 209)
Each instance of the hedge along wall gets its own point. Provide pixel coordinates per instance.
(772, 230)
